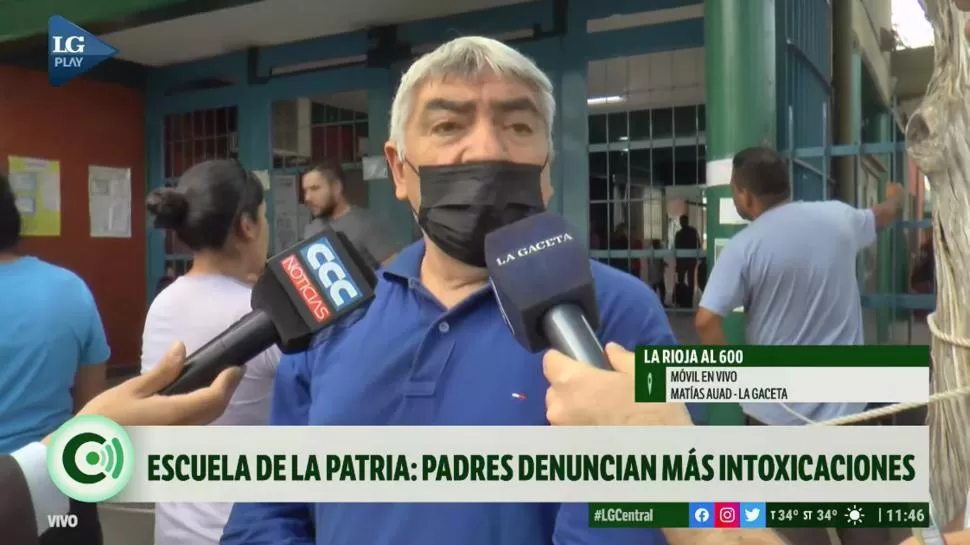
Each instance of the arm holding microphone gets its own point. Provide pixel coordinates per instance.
(304, 289)
(552, 296)
(27, 494)
(581, 395)
(291, 306)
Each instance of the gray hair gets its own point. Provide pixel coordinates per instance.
(467, 58)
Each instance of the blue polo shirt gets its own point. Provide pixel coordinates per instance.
(406, 361)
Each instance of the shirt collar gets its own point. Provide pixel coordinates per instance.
(406, 269)
(407, 265)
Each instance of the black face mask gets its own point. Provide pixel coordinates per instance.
(460, 204)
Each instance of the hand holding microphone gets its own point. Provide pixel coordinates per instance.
(135, 403)
(580, 395)
(540, 273)
(542, 279)
(304, 289)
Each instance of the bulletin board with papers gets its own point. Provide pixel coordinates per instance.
(36, 185)
(109, 201)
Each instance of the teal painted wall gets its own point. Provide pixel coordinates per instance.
(564, 58)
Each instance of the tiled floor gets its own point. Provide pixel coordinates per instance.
(134, 525)
(129, 524)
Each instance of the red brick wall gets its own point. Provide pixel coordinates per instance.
(80, 124)
(333, 142)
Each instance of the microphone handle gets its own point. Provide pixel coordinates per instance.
(244, 340)
(568, 332)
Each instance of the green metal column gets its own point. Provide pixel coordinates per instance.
(256, 139)
(380, 195)
(843, 99)
(739, 56)
(882, 129)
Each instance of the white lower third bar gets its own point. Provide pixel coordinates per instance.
(723, 384)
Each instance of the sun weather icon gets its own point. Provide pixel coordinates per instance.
(854, 515)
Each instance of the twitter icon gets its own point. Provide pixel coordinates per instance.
(752, 515)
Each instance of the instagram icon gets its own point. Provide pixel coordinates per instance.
(726, 515)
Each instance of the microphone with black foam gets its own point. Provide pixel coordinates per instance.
(540, 272)
(303, 289)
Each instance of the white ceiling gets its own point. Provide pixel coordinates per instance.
(353, 100)
(272, 22)
(669, 78)
(674, 78)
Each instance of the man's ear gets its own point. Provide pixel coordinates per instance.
(247, 228)
(395, 168)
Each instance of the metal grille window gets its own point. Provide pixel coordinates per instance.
(646, 156)
(333, 127)
(191, 138)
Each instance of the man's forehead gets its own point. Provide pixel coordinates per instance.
(313, 178)
(485, 88)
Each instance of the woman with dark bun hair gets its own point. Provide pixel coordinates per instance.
(217, 210)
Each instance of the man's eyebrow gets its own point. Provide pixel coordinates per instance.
(515, 105)
(452, 106)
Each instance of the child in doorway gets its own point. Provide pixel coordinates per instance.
(656, 268)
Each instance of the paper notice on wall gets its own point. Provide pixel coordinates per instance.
(109, 201)
(263, 177)
(36, 184)
(374, 167)
(728, 213)
(287, 228)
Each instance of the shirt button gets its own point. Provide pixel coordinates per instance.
(444, 327)
(413, 283)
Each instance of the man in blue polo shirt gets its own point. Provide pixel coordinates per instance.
(469, 151)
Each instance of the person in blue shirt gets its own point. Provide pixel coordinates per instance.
(469, 151)
(52, 353)
(793, 294)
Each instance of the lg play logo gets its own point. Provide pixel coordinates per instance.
(72, 51)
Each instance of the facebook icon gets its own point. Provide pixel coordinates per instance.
(701, 515)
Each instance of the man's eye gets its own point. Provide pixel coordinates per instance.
(444, 128)
(521, 129)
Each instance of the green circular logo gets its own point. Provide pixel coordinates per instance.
(90, 458)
